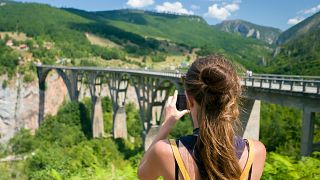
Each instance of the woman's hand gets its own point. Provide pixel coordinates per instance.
(171, 114)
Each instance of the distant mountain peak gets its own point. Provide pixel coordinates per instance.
(310, 24)
(248, 29)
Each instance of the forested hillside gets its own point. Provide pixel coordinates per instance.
(191, 31)
(298, 49)
(140, 33)
(308, 25)
(300, 56)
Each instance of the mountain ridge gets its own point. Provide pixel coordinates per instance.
(249, 29)
(309, 24)
(298, 50)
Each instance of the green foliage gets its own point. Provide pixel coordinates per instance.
(107, 114)
(284, 167)
(133, 122)
(13, 170)
(123, 26)
(300, 55)
(48, 24)
(22, 142)
(107, 53)
(159, 57)
(182, 127)
(28, 77)
(64, 151)
(281, 129)
(65, 129)
(8, 59)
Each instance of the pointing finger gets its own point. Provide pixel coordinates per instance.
(175, 96)
(169, 100)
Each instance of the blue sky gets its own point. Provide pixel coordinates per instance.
(281, 14)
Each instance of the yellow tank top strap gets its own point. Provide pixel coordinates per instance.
(246, 170)
(179, 160)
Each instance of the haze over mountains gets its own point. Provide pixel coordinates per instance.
(142, 33)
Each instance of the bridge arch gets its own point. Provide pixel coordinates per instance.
(42, 77)
(62, 74)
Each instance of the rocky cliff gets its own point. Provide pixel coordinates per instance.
(19, 103)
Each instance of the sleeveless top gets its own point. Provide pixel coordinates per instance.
(189, 142)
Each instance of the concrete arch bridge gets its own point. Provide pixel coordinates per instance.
(152, 89)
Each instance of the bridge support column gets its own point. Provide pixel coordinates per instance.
(120, 123)
(95, 86)
(41, 102)
(250, 119)
(97, 117)
(307, 132)
(118, 85)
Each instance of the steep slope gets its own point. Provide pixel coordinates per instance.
(191, 31)
(298, 50)
(300, 55)
(310, 24)
(46, 23)
(247, 29)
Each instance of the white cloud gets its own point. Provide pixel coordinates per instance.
(139, 3)
(295, 20)
(232, 7)
(195, 7)
(175, 7)
(222, 12)
(312, 10)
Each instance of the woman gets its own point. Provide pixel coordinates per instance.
(212, 88)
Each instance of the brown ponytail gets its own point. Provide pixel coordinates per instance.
(215, 86)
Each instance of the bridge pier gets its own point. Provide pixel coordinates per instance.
(120, 123)
(250, 119)
(41, 102)
(307, 132)
(97, 117)
(118, 85)
(95, 87)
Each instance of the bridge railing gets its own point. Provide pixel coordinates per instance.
(286, 76)
(305, 84)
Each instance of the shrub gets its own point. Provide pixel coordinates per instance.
(22, 142)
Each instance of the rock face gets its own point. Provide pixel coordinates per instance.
(247, 29)
(19, 104)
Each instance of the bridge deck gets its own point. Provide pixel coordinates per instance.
(285, 83)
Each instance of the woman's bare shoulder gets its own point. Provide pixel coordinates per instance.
(159, 161)
(259, 148)
(259, 159)
(162, 147)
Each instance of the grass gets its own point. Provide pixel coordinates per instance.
(104, 42)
